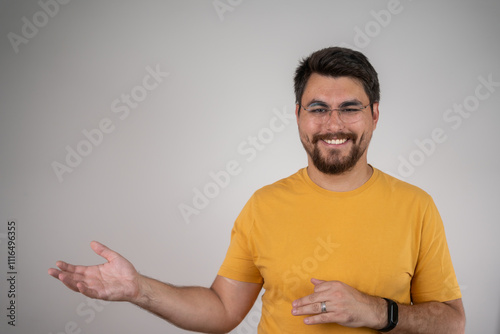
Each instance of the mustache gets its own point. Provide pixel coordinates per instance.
(335, 135)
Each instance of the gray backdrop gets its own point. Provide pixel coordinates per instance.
(147, 125)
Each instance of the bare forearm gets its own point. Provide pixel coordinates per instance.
(191, 308)
(431, 317)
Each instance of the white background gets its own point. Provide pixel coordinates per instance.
(230, 72)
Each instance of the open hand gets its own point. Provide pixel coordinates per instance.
(115, 280)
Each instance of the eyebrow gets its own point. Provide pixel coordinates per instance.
(347, 103)
(317, 102)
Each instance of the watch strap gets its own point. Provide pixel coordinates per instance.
(392, 315)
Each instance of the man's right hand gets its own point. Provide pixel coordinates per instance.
(217, 309)
(115, 280)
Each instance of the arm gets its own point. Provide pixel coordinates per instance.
(352, 308)
(431, 317)
(217, 309)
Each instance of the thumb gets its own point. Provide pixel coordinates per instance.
(316, 281)
(103, 251)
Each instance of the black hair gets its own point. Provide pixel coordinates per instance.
(338, 62)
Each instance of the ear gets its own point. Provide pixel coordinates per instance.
(297, 106)
(375, 114)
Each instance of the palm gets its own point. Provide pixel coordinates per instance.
(114, 280)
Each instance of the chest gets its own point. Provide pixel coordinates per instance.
(374, 252)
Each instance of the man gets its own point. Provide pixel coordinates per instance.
(339, 247)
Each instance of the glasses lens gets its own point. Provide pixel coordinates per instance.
(318, 114)
(351, 115)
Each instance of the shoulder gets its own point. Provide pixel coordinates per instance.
(282, 192)
(268, 200)
(394, 184)
(294, 183)
(390, 187)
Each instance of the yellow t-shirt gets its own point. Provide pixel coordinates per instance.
(385, 238)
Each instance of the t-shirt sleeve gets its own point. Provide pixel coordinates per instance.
(434, 278)
(239, 262)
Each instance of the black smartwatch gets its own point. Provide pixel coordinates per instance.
(392, 316)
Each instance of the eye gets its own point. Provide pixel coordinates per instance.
(349, 110)
(317, 110)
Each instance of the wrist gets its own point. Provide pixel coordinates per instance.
(380, 314)
(142, 294)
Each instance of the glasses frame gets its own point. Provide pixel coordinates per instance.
(338, 110)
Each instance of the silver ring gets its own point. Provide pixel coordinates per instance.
(323, 307)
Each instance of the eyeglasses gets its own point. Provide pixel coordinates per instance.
(319, 113)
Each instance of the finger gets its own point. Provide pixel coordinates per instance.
(316, 281)
(84, 289)
(70, 268)
(65, 278)
(330, 316)
(320, 286)
(322, 318)
(324, 286)
(64, 266)
(103, 251)
(303, 301)
(316, 297)
(314, 308)
(69, 280)
(54, 272)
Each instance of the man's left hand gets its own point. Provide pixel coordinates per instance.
(345, 306)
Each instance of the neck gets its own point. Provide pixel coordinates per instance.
(346, 181)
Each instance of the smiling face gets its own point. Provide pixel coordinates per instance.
(334, 147)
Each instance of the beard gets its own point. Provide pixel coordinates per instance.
(333, 163)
